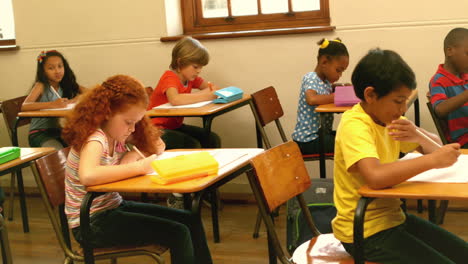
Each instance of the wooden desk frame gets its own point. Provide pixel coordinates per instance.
(408, 190)
(195, 205)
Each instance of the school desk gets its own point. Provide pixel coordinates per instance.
(234, 165)
(27, 156)
(332, 108)
(407, 190)
(207, 112)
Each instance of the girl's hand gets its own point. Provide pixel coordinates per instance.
(446, 156)
(61, 102)
(403, 130)
(145, 164)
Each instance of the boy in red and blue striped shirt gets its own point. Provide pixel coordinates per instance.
(449, 86)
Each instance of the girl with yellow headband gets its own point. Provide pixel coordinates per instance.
(316, 89)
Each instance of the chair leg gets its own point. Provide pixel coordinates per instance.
(5, 245)
(214, 215)
(420, 206)
(22, 196)
(113, 260)
(258, 224)
(12, 196)
(441, 211)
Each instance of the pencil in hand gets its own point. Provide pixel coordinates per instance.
(428, 138)
(139, 152)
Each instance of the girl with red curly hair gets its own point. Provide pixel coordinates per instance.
(109, 116)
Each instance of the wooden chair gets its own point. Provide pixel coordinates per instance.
(443, 131)
(267, 108)
(279, 174)
(10, 109)
(49, 172)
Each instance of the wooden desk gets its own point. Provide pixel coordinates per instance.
(27, 155)
(409, 190)
(140, 184)
(332, 108)
(207, 112)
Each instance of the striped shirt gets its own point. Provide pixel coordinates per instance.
(75, 191)
(443, 86)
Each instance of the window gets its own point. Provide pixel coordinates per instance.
(214, 16)
(7, 26)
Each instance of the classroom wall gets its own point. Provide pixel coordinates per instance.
(102, 38)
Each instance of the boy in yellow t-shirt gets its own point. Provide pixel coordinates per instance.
(369, 139)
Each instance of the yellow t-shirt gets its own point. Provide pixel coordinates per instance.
(358, 137)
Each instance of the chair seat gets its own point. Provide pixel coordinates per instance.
(322, 249)
(157, 249)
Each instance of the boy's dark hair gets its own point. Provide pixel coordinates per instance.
(384, 70)
(70, 87)
(454, 37)
(332, 48)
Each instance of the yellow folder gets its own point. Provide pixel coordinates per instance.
(184, 167)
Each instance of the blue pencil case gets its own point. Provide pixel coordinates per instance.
(228, 94)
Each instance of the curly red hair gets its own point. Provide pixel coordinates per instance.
(115, 95)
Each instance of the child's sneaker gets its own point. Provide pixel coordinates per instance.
(175, 201)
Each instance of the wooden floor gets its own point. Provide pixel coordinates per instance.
(236, 224)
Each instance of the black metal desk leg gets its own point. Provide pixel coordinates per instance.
(323, 172)
(359, 229)
(24, 209)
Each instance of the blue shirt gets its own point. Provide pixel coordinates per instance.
(308, 121)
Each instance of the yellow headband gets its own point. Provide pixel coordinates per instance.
(326, 42)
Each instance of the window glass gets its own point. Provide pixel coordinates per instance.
(305, 5)
(215, 8)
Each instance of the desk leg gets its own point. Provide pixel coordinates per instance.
(24, 209)
(323, 172)
(431, 210)
(84, 224)
(359, 229)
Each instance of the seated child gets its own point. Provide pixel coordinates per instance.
(449, 86)
(55, 87)
(175, 86)
(369, 139)
(316, 89)
(98, 129)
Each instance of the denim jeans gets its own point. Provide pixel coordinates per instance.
(135, 223)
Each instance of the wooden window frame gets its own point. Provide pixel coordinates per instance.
(194, 23)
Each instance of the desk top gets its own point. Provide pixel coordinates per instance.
(144, 184)
(332, 108)
(421, 190)
(208, 109)
(198, 111)
(27, 154)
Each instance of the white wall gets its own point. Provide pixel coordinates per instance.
(102, 38)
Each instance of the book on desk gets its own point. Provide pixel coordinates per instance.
(457, 173)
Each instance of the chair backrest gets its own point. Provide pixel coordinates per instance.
(267, 109)
(10, 109)
(441, 125)
(279, 174)
(49, 172)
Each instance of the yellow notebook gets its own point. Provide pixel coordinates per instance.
(184, 167)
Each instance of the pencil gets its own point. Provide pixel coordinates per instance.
(428, 138)
(139, 152)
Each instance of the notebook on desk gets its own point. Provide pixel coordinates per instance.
(457, 173)
(170, 106)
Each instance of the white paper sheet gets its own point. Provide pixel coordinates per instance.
(195, 105)
(68, 107)
(457, 173)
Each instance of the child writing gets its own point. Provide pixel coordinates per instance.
(189, 56)
(175, 86)
(449, 86)
(55, 87)
(316, 89)
(108, 117)
(369, 139)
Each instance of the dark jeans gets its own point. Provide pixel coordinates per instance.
(134, 223)
(313, 147)
(188, 136)
(415, 241)
(37, 139)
